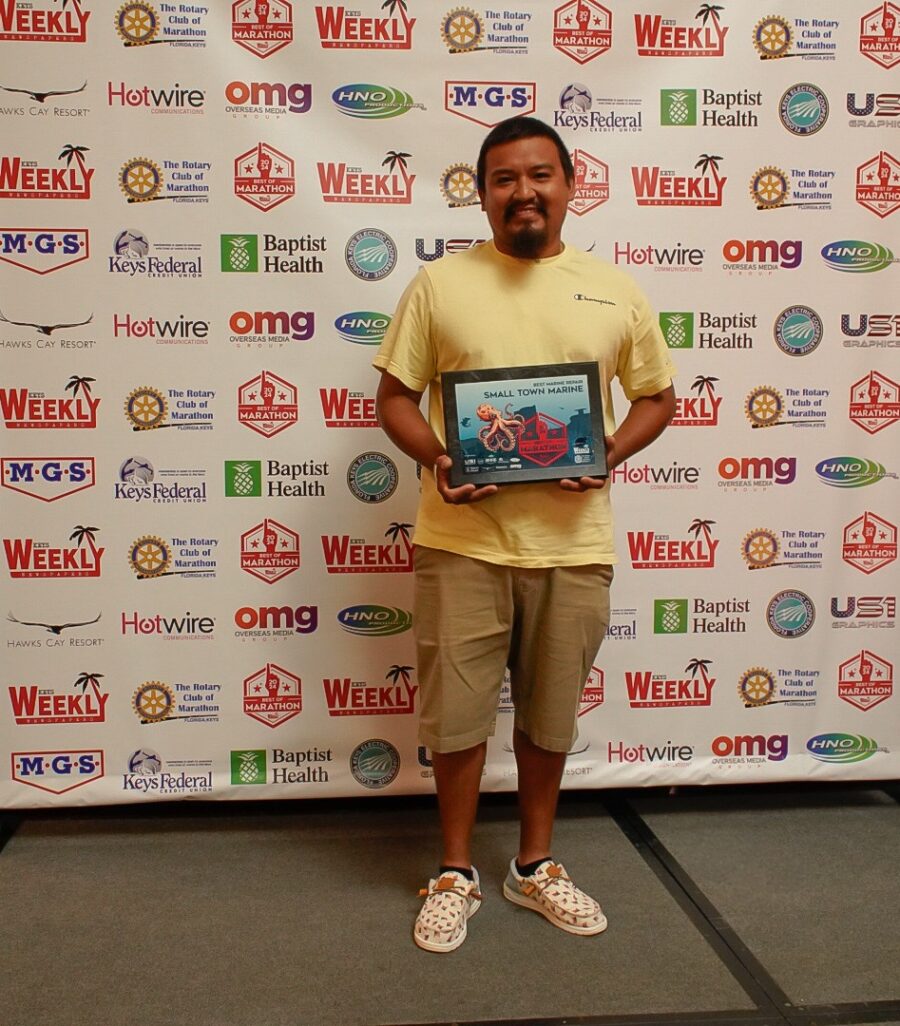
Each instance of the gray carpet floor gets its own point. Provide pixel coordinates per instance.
(301, 915)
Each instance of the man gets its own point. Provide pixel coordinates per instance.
(513, 576)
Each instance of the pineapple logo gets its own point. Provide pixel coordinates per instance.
(248, 767)
(240, 253)
(243, 479)
(670, 616)
(678, 107)
(677, 329)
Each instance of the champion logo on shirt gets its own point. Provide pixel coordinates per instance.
(591, 299)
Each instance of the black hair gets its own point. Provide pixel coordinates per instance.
(523, 128)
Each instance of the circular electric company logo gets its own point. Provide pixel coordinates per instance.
(803, 109)
(153, 701)
(760, 549)
(772, 37)
(149, 556)
(375, 763)
(137, 24)
(140, 179)
(371, 254)
(132, 242)
(372, 477)
(756, 686)
(798, 330)
(146, 408)
(790, 614)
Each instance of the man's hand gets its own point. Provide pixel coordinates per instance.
(586, 484)
(464, 494)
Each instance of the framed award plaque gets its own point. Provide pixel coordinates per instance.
(509, 425)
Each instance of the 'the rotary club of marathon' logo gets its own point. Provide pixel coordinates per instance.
(798, 330)
(272, 695)
(141, 180)
(763, 548)
(591, 182)
(774, 36)
(47, 478)
(765, 407)
(874, 402)
(869, 543)
(771, 189)
(878, 184)
(138, 23)
(263, 177)
(262, 26)
(866, 680)
(465, 30)
(790, 613)
(24, 179)
(155, 701)
(22, 22)
(803, 109)
(372, 477)
(375, 763)
(151, 557)
(270, 551)
(582, 30)
(759, 687)
(43, 250)
(58, 770)
(147, 408)
(267, 404)
(371, 254)
(656, 36)
(879, 39)
(459, 185)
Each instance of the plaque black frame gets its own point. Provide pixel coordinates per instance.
(497, 469)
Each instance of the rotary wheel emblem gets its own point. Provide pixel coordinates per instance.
(772, 37)
(764, 406)
(760, 549)
(769, 187)
(137, 23)
(756, 686)
(153, 701)
(146, 408)
(149, 556)
(458, 185)
(461, 30)
(140, 180)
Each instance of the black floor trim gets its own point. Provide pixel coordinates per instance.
(9, 824)
(761, 988)
(726, 1018)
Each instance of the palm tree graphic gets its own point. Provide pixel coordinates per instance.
(708, 11)
(698, 525)
(78, 384)
(69, 151)
(83, 534)
(701, 382)
(396, 672)
(392, 6)
(88, 678)
(401, 530)
(393, 159)
(698, 667)
(709, 163)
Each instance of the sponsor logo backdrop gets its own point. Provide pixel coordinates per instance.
(207, 215)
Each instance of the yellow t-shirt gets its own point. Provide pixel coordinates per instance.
(481, 309)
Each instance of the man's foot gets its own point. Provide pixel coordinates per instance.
(550, 891)
(450, 900)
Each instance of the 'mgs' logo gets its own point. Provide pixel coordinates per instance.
(42, 250)
(488, 103)
(47, 479)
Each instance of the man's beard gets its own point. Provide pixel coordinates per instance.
(528, 242)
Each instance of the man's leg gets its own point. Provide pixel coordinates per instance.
(457, 779)
(540, 775)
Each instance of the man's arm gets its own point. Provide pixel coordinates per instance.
(646, 420)
(403, 422)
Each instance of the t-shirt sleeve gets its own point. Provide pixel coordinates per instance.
(644, 367)
(407, 351)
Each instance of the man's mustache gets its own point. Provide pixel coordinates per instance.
(514, 208)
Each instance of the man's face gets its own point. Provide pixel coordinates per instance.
(525, 195)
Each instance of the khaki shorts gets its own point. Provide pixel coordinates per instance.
(474, 619)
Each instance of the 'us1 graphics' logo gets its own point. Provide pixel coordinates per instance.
(43, 250)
